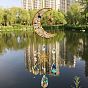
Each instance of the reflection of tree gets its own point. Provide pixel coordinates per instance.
(2, 44)
(85, 53)
(55, 52)
(85, 45)
(86, 68)
(66, 45)
(16, 40)
(73, 41)
(44, 56)
(59, 36)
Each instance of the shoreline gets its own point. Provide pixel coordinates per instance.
(16, 28)
(46, 27)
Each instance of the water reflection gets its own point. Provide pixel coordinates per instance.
(46, 57)
(77, 43)
(14, 40)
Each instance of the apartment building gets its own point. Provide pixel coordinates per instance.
(61, 5)
(27, 4)
(38, 4)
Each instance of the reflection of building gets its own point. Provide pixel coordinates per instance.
(39, 60)
(86, 68)
(40, 57)
(68, 58)
(61, 5)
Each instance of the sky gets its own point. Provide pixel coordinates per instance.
(10, 3)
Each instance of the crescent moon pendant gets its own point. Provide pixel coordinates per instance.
(37, 24)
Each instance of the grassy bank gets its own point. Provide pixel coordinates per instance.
(76, 27)
(67, 27)
(54, 27)
(16, 27)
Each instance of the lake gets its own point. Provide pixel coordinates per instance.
(25, 59)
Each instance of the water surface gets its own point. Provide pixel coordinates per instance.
(26, 57)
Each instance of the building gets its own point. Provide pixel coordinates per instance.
(61, 5)
(64, 5)
(38, 4)
(27, 4)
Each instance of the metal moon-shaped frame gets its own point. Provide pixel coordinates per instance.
(37, 24)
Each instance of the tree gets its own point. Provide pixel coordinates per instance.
(1, 15)
(86, 10)
(25, 17)
(53, 17)
(6, 17)
(14, 15)
(73, 14)
(19, 15)
(32, 13)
